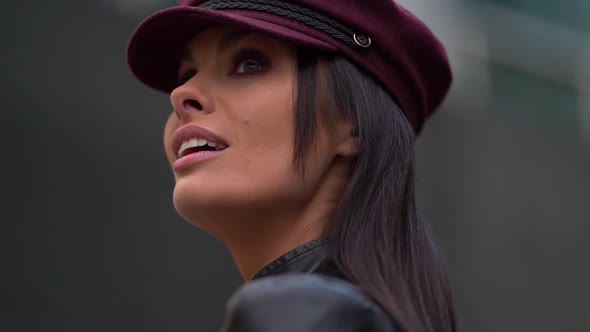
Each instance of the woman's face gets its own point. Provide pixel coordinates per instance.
(239, 87)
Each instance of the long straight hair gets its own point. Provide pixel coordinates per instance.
(377, 238)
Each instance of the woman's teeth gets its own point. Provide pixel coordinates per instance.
(198, 142)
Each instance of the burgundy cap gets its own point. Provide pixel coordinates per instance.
(380, 36)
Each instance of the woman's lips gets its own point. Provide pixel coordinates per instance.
(188, 132)
(189, 160)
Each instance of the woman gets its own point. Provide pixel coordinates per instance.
(291, 141)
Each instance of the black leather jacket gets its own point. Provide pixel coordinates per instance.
(302, 291)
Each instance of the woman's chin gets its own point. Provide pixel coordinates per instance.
(206, 200)
(190, 198)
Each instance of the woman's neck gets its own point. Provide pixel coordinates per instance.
(256, 238)
(258, 250)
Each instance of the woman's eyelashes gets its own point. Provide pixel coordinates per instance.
(249, 62)
(245, 62)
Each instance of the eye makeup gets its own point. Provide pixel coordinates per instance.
(250, 61)
(246, 61)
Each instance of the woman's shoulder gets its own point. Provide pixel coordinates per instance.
(303, 302)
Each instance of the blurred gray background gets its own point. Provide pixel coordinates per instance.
(93, 243)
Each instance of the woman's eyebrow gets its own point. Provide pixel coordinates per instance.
(230, 39)
(222, 45)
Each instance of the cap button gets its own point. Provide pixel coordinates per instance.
(362, 40)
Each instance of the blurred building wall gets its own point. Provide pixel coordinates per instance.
(504, 165)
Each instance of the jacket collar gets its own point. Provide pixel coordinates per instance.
(308, 258)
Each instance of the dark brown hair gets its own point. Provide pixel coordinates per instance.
(377, 238)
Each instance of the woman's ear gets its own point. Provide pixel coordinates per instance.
(348, 141)
(349, 148)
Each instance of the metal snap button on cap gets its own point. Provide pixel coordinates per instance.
(362, 40)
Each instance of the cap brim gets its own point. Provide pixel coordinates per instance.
(156, 46)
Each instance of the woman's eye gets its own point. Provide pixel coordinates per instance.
(250, 61)
(249, 67)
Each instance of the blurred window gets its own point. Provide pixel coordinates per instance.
(571, 13)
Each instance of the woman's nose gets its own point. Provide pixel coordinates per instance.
(191, 99)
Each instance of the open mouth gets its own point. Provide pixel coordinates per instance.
(196, 145)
